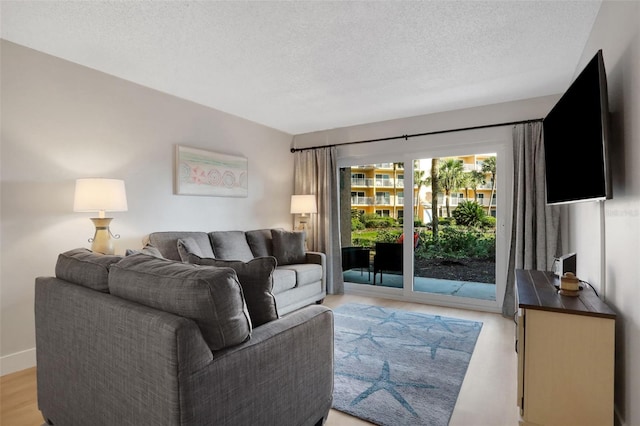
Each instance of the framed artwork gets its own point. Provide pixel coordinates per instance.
(201, 172)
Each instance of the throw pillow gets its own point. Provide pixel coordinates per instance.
(187, 246)
(288, 246)
(230, 245)
(86, 268)
(256, 279)
(260, 242)
(211, 297)
(148, 249)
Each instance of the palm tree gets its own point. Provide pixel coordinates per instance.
(465, 183)
(419, 181)
(435, 187)
(396, 166)
(449, 177)
(489, 166)
(477, 179)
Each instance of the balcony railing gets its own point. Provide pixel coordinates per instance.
(361, 201)
(381, 183)
(454, 201)
(486, 185)
(367, 182)
(384, 182)
(384, 166)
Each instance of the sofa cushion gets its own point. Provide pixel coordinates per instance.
(230, 245)
(148, 249)
(256, 279)
(260, 242)
(86, 268)
(288, 246)
(306, 273)
(283, 279)
(211, 297)
(187, 246)
(167, 242)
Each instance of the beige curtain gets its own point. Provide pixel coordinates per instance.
(316, 172)
(535, 234)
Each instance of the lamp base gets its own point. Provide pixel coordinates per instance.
(101, 241)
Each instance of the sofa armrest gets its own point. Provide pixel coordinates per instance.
(320, 259)
(284, 373)
(102, 359)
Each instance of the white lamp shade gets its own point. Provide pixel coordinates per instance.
(100, 195)
(303, 204)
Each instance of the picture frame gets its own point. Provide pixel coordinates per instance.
(208, 173)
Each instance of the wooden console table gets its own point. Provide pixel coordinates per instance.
(565, 354)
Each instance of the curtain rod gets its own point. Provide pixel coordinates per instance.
(406, 137)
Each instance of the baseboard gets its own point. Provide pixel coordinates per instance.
(17, 361)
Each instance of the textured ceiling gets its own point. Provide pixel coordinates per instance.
(303, 66)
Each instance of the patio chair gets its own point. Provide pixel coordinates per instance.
(388, 258)
(356, 257)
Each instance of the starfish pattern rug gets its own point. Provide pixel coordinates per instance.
(396, 367)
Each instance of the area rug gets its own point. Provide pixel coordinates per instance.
(395, 367)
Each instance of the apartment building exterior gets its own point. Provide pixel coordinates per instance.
(380, 188)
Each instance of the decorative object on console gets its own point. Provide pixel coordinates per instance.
(100, 195)
(303, 205)
(569, 285)
(200, 172)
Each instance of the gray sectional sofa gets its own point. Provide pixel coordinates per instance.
(141, 340)
(298, 280)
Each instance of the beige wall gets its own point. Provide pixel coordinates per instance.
(61, 121)
(610, 259)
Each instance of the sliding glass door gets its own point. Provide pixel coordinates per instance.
(427, 227)
(454, 226)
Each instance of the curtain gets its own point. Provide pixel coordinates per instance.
(315, 172)
(535, 233)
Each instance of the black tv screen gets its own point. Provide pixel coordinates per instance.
(576, 138)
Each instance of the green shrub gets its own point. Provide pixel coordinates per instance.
(488, 222)
(454, 242)
(356, 225)
(376, 221)
(389, 235)
(445, 221)
(468, 213)
(364, 238)
(458, 243)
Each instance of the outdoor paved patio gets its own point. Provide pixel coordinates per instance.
(474, 290)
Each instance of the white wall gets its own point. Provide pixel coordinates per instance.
(617, 32)
(61, 121)
(526, 109)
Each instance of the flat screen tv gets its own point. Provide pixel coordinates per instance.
(576, 134)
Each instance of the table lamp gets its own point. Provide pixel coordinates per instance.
(303, 205)
(100, 195)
